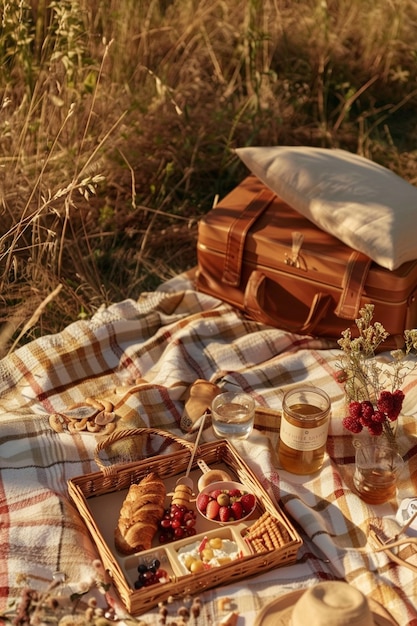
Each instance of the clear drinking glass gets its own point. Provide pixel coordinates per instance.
(233, 415)
(377, 468)
(303, 431)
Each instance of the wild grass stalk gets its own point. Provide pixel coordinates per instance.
(118, 121)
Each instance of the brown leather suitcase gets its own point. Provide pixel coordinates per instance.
(260, 255)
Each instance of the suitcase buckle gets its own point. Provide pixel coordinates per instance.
(297, 242)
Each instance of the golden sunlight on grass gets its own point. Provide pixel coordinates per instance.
(119, 119)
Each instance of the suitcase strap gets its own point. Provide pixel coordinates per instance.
(236, 236)
(353, 285)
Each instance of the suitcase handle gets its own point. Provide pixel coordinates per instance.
(255, 305)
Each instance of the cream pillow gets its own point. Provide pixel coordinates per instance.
(363, 204)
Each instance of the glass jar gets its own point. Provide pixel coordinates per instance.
(303, 432)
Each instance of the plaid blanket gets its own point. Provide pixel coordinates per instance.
(142, 356)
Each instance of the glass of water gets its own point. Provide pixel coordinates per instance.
(233, 415)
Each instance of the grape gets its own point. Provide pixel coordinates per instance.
(165, 522)
(178, 522)
(155, 565)
(150, 574)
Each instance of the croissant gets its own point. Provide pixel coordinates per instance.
(139, 517)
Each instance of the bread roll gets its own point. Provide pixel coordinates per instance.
(141, 512)
(182, 495)
(197, 401)
(212, 476)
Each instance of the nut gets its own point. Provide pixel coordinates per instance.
(108, 406)
(57, 422)
(92, 427)
(101, 405)
(76, 426)
(95, 403)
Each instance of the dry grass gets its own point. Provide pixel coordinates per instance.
(119, 118)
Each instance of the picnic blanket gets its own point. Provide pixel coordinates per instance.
(142, 356)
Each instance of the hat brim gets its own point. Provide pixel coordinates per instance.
(278, 611)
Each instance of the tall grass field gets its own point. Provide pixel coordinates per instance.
(119, 120)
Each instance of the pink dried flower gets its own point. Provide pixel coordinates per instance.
(398, 399)
(353, 425)
(379, 417)
(376, 429)
(355, 409)
(385, 402)
(367, 409)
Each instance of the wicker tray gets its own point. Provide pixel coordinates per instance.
(99, 497)
(136, 444)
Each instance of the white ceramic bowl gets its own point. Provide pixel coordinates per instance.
(226, 486)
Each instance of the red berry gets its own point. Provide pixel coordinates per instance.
(237, 510)
(235, 493)
(215, 493)
(212, 509)
(203, 544)
(162, 575)
(248, 502)
(202, 501)
(224, 513)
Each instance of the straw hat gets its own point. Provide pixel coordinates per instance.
(330, 603)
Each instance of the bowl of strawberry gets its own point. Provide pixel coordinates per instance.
(225, 502)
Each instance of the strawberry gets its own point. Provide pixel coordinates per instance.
(202, 501)
(235, 493)
(248, 502)
(203, 544)
(237, 510)
(215, 493)
(212, 509)
(224, 513)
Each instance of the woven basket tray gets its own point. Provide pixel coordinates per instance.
(136, 444)
(99, 496)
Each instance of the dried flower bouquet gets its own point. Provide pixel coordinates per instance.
(373, 386)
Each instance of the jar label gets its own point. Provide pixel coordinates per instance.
(299, 438)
